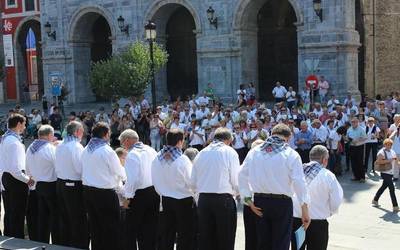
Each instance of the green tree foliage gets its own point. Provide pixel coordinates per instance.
(128, 73)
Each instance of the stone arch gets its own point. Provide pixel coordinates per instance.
(158, 4)
(83, 10)
(246, 11)
(184, 36)
(251, 35)
(21, 72)
(90, 35)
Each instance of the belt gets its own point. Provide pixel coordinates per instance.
(274, 196)
(216, 194)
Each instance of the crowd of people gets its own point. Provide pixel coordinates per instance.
(144, 177)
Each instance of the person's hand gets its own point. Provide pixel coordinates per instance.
(305, 217)
(256, 210)
(31, 182)
(125, 203)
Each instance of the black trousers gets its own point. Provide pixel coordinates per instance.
(15, 203)
(74, 224)
(387, 183)
(304, 154)
(250, 228)
(217, 221)
(357, 157)
(317, 235)
(32, 219)
(370, 148)
(178, 222)
(142, 220)
(242, 152)
(274, 229)
(104, 217)
(48, 212)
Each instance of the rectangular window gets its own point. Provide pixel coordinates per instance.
(11, 3)
(29, 5)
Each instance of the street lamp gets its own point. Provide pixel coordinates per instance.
(151, 34)
(121, 24)
(47, 29)
(317, 4)
(210, 16)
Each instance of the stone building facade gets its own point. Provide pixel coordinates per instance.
(381, 49)
(259, 41)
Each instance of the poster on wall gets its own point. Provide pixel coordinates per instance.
(8, 50)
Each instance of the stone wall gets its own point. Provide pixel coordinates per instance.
(227, 56)
(387, 48)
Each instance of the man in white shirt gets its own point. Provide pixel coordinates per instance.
(320, 133)
(371, 145)
(332, 103)
(171, 172)
(40, 161)
(239, 142)
(15, 180)
(74, 230)
(279, 92)
(326, 195)
(332, 144)
(101, 176)
(270, 174)
(215, 179)
(144, 202)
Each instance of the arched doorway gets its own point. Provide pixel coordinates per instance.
(267, 30)
(176, 26)
(91, 42)
(29, 65)
(277, 50)
(182, 60)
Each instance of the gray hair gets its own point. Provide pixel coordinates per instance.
(191, 153)
(223, 134)
(128, 134)
(73, 126)
(318, 153)
(45, 130)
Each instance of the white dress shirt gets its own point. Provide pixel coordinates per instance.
(102, 168)
(238, 142)
(326, 195)
(279, 92)
(280, 173)
(215, 170)
(68, 161)
(172, 179)
(41, 164)
(138, 170)
(333, 139)
(372, 138)
(320, 134)
(12, 157)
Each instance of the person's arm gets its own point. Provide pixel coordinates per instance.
(299, 187)
(234, 170)
(115, 167)
(381, 159)
(335, 195)
(133, 174)
(17, 165)
(76, 158)
(185, 172)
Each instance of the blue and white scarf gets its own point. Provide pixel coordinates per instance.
(311, 170)
(37, 145)
(274, 145)
(169, 153)
(9, 132)
(217, 143)
(96, 143)
(137, 146)
(70, 138)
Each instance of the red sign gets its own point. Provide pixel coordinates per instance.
(312, 80)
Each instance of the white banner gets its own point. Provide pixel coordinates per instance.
(8, 50)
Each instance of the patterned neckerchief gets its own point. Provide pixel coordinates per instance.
(37, 145)
(274, 145)
(70, 138)
(311, 170)
(169, 153)
(138, 145)
(9, 132)
(217, 143)
(96, 143)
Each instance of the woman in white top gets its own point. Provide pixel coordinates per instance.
(387, 156)
(196, 136)
(291, 98)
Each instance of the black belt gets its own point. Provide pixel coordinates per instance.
(89, 188)
(274, 196)
(216, 194)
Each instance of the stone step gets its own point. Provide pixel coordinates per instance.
(8, 243)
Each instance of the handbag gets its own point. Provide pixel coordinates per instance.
(383, 167)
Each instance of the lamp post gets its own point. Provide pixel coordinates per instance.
(50, 33)
(151, 34)
(317, 5)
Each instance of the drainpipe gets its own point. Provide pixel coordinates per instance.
(374, 46)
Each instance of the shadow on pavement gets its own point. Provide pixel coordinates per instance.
(390, 216)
